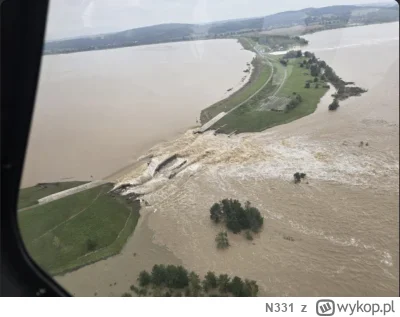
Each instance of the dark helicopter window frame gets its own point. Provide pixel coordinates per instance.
(22, 33)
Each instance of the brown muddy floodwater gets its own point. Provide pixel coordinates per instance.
(97, 112)
(343, 220)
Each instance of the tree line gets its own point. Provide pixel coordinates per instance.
(317, 67)
(171, 280)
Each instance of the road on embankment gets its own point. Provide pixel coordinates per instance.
(65, 193)
(256, 92)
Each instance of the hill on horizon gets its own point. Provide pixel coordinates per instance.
(339, 15)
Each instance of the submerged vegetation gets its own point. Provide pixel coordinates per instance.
(298, 177)
(334, 105)
(318, 67)
(171, 280)
(222, 240)
(236, 217)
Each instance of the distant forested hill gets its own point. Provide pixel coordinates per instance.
(326, 17)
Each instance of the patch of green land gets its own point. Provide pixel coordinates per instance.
(29, 196)
(77, 230)
(260, 74)
(251, 118)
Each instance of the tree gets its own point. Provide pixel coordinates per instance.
(194, 283)
(222, 240)
(171, 276)
(210, 281)
(216, 212)
(315, 79)
(233, 224)
(307, 85)
(299, 53)
(256, 221)
(176, 276)
(223, 283)
(243, 219)
(158, 274)
(252, 287)
(238, 218)
(182, 277)
(144, 278)
(236, 286)
(314, 70)
(297, 177)
(334, 105)
(322, 64)
(231, 208)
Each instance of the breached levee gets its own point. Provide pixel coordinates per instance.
(159, 170)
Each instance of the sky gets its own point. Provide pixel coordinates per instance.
(71, 18)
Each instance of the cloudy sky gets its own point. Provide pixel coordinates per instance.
(70, 18)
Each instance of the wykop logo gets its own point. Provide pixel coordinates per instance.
(325, 307)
